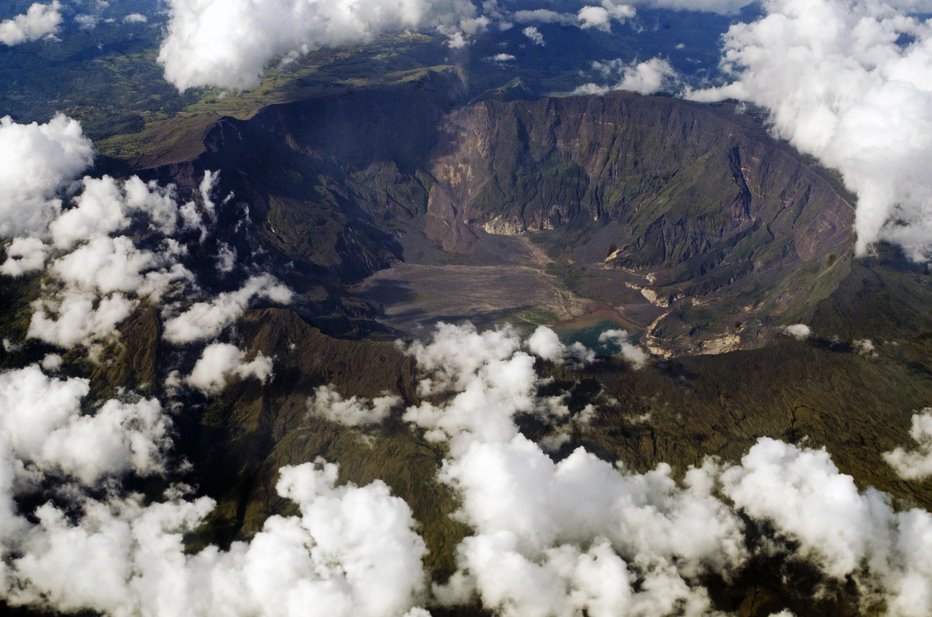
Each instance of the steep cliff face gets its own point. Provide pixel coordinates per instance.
(689, 209)
(697, 203)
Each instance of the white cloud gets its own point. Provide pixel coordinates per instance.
(135, 18)
(632, 354)
(460, 33)
(52, 362)
(581, 536)
(846, 533)
(865, 347)
(204, 320)
(589, 16)
(36, 160)
(569, 538)
(77, 317)
(42, 425)
(350, 551)
(106, 265)
(99, 211)
(99, 279)
(104, 206)
(503, 58)
(487, 379)
(798, 331)
(779, 482)
(848, 82)
(40, 20)
(646, 77)
(221, 362)
(156, 202)
(545, 344)
(594, 17)
(327, 403)
(915, 464)
(601, 17)
(227, 43)
(86, 21)
(534, 35)
(96, 280)
(457, 40)
(24, 255)
(226, 258)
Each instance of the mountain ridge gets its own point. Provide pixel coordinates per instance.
(689, 205)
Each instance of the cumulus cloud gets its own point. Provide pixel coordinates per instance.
(568, 537)
(42, 425)
(865, 347)
(915, 464)
(36, 160)
(199, 49)
(486, 377)
(227, 43)
(86, 21)
(97, 276)
(349, 551)
(40, 20)
(78, 317)
(98, 211)
(221, 362)
(777, 481)
(575, 537)
(327, 403)
(205, 320)
(107, 265)
(545, 344)
(845, 532)
(646, 77)
(460, 34)
(534, 36)
(39, 160)
(135, 18)
(581, 536)
(602, 16)
(24, 255)
(98, 279)
(589, 16)
(226, 258)
(798, 331)
(632, 354)
(52, 362)
(848, 82)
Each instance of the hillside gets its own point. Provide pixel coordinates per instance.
(682, 219)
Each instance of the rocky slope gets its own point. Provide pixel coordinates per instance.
(687, 219)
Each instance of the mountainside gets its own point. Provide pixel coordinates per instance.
(693, 207)
(689, 222)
